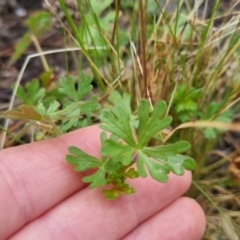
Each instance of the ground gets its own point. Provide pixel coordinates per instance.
(12, 24)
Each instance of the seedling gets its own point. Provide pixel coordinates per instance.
(126, 153)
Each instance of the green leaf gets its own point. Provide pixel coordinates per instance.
(21, 47)
(185, 93)
(212, 112)
(116, 98)
(189, 163)
(99, 8)
(157, 171)
(186, 105)
(67, 86)
(103, 137)
(32, 94)
(84, 85)
(73, 114)
(150, 125)
(131, 173)
(143, 115)
(162, 152)
(54, 106)
(111, 194)
(211, 133)
(72, 120)
(142, 158)
(94, 22)
(113, 148)
(185, 102)
(125, 100)
(89, 106)
(117, 190)
(113, 164)
(178, 163)
(39, 23)
(81, 160)
(118, 123)
(49, 112)
(127, 158)
(97, 179)
(114, 137)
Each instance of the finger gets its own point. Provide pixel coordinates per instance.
(89, 215)
(182, 219)
(35, 177)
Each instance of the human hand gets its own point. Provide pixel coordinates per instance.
(43, 198)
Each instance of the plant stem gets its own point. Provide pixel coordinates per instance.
(115, 27)
(142, 47)
(42, 57)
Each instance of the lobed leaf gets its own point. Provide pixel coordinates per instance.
(39, 22)
(127, 158)
(116, 98)
(49, 112)
(97, 179)
(81, 160)
(186, 105)
(118, 124)
(178, 163)
(89, 106)
(185, 102)
(213, 111)
(150, 125)
(157, 171)
(164, 151)
(72, 120)
(112, 164)
(103, 137)
(68, 87)
(142, 158)
(113, 148)
(21, 47)
(32, 94)
(73, 114)
(84, 85)
(53, 107)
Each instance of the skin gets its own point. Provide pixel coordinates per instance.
(43, 198)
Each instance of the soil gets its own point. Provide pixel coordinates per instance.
(13, 15)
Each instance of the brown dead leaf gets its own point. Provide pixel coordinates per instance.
(23, 112)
